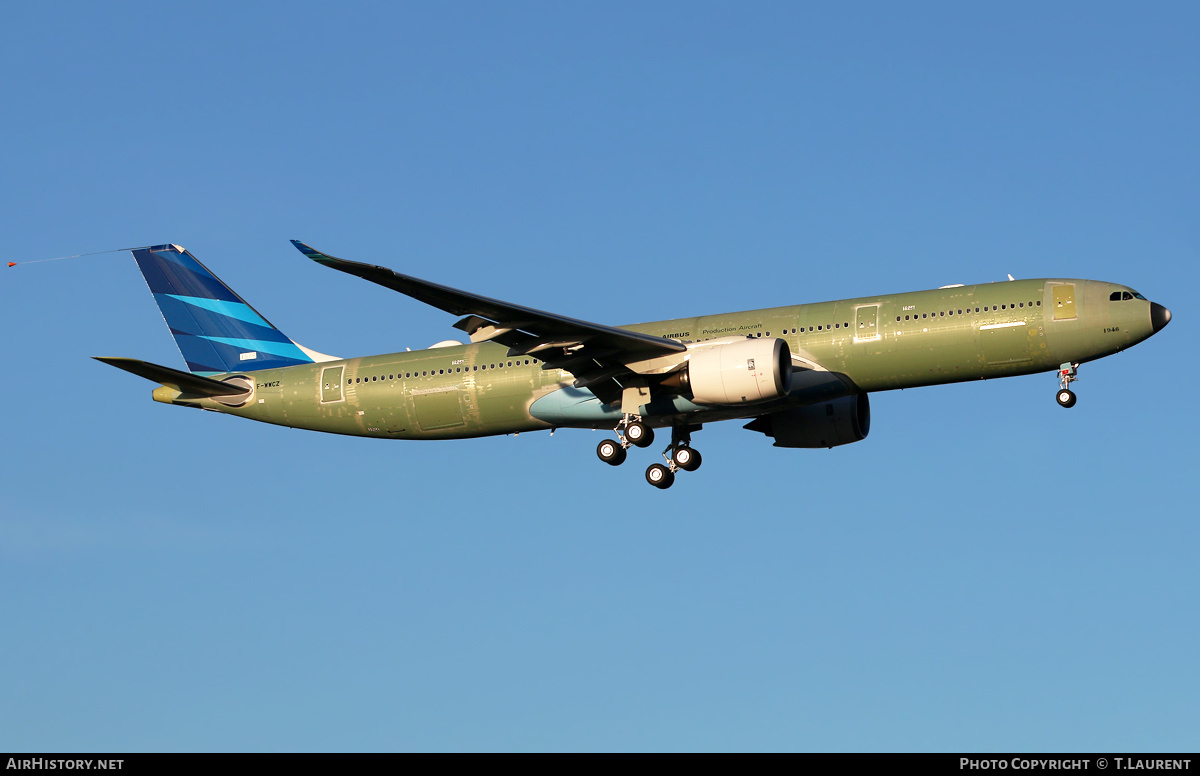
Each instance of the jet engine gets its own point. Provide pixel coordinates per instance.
(738, 372)
(828, 424)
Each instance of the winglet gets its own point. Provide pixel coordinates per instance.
(315, 255)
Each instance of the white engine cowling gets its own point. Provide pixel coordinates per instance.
(742, 372)
(828, 424)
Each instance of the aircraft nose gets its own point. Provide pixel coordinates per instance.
(1159, 316)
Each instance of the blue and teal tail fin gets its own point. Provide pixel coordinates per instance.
(215, 329)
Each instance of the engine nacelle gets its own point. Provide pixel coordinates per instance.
(828, 424)
(742, 372)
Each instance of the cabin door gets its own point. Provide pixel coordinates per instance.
(1064, 302)
(331, 384)
(867, 325)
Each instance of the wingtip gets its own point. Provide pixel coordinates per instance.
(311, 252)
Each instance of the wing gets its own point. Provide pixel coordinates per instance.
(597, 355)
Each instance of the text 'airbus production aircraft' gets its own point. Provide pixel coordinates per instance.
(800, 374)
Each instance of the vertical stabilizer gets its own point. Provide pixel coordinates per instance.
(215, 329)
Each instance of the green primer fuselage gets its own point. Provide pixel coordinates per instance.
(881, 343)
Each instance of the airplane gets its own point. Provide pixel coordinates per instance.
(800, 375)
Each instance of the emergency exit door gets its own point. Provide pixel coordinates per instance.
(331, 384)
(1064, 302)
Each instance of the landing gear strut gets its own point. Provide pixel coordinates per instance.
(1067, 374)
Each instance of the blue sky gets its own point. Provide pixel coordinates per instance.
(985, 572)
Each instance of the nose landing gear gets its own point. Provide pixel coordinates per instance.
(1067, 374)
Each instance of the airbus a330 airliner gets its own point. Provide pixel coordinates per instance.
(799, 374)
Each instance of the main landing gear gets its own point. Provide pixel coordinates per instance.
(1067, 374)
(679, 455)
(630, 431)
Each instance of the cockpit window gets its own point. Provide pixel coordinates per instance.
(1125, 296)
(1136, 295)
(1115, 296)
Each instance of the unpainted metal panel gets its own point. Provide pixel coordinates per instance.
(1005, 345)
(438, 410)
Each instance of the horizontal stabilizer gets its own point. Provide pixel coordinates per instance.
(184, 382)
